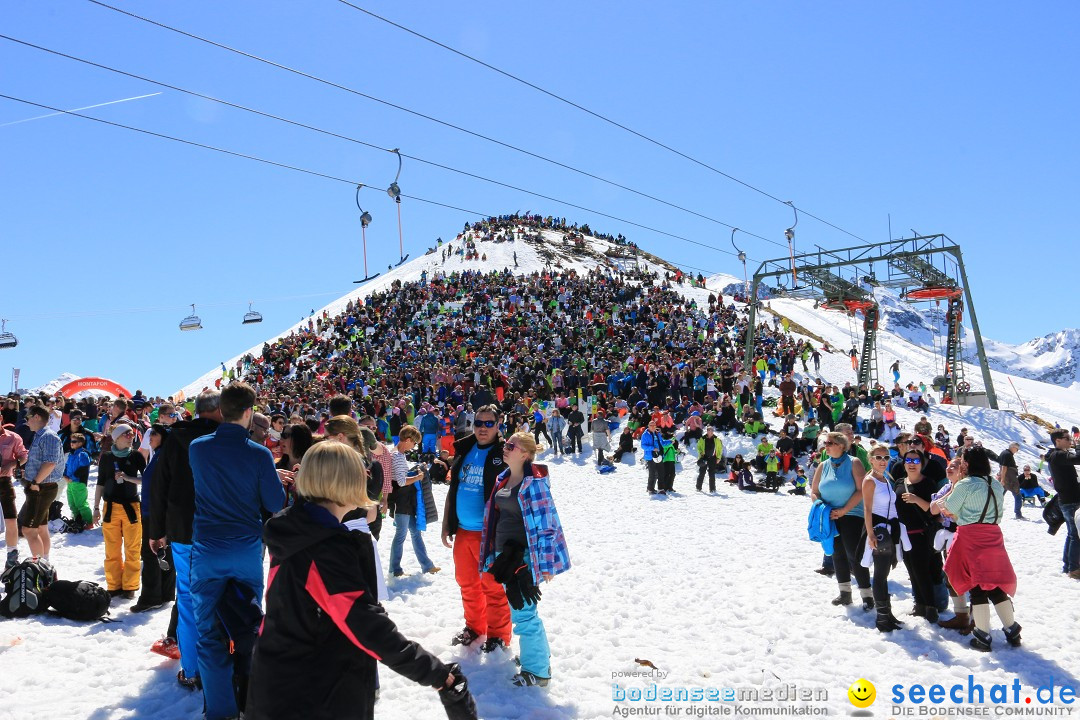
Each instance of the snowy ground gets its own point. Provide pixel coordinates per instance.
(715, 591)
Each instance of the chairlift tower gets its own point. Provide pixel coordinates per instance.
(916, 265)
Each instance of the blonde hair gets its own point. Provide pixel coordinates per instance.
(526, 442)
(409, 433)
(840, 439)
(333, 472)
(345, 425)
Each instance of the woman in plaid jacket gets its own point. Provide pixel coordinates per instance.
(522, 544)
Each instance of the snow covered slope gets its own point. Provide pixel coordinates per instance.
(1053, 358)
(716, 591)
(1044, 372)
(530, 257)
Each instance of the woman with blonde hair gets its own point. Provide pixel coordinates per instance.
(522, 545)
(324, 629)
(838, 483)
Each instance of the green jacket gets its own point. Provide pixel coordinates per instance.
(718, 446)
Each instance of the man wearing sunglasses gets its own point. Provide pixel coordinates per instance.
(478, 460)
(1062, 460)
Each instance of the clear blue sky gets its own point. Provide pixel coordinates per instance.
(954, 117)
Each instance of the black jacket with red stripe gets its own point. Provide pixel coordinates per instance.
(324, 629)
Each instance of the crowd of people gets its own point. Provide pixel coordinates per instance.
(456, 378)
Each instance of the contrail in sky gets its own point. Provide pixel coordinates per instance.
(88, 107)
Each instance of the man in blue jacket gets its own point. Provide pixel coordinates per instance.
(235, 481)
(650, 451)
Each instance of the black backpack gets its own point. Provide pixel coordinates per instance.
(25, 586)
(83, 600)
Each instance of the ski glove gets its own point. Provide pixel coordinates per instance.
(456, 699)
(513, 572)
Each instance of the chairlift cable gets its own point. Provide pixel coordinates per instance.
(593, 113)
(416, 113)
(345, 180)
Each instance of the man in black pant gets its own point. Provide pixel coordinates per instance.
(574, 430)
(710, 451)
(650, 449)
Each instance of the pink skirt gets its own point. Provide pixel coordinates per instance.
(978, 559)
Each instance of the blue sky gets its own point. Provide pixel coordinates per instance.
(952, 117)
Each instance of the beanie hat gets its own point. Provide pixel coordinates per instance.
(119, 430)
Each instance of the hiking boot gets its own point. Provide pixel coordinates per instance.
(12, 558)
(166, 647)
(918, 611)
(433, 570)
(844, 598)
(980, 640)
(115, 593)
(144, 605)
(525, 678)
(188, 683)
(960, 621)
(867, 604)
(1075, 574)
(466, 637)
(399, 573)
(493, 644)
(828, 572)
(931, 614)
(127, 594)
(1012, 634)
(885, 621)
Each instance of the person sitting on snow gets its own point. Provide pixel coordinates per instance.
(799, 482)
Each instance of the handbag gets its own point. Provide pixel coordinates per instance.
(885, 545)
(1053, 516)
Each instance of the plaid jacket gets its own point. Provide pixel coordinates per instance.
(547, 544)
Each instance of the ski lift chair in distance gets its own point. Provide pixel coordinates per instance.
(395, 194)
(250, 317)
(365, 220)
(7, 340)
(191, 322)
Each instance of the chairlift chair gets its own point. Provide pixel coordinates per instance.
(251, 317)
(191, 322)
(365, 220)
(395, 194)
(7, 340)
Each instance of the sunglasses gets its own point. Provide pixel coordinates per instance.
(484, 423)
(829, 443)
(509, 446)
(912, 461)
(879, 457)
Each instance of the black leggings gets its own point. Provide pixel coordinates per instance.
(541, 429)
(923, 566)
(983, 597)
(845, 562)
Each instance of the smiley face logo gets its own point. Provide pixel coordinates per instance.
(862, 693)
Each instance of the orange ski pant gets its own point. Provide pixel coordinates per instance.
(486, 608)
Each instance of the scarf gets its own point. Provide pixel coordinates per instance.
(117, 452)
(361, 525)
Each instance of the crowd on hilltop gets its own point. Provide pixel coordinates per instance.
(456, 378)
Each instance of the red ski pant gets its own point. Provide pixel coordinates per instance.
(486, 608)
